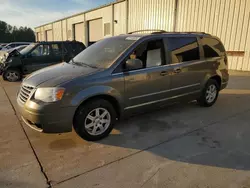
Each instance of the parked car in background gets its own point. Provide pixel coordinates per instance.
(123, 75)
(14, 45)
(37, 56)
(2, 45)
(4, 54)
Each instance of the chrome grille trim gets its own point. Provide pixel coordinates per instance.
(25, 93)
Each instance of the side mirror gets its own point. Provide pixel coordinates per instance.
(133, 64)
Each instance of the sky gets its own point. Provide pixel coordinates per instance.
(33, 13)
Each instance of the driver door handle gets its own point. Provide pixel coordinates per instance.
(177, 70)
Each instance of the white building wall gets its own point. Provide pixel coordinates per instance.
(151, 14)
(57, 31)
(120, 15)
(64, 29)
(70, 25)
(104, 13)
(229, 20)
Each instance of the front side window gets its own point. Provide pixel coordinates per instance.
(151, 53)
(12, 46)
(41, 50)
(183, 49)
(212, 47)
(27, 49)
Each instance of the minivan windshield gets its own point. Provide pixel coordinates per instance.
(27, 49)
(103, 53)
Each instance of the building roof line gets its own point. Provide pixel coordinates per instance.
(80, 13)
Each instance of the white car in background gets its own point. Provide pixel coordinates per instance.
(14, 45)
(6, 52)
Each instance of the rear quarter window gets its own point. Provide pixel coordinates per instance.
(212, 47)
(183, 49)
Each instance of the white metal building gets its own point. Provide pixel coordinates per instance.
(227, 19)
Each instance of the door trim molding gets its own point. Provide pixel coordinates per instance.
(164, 91)
(161, 100)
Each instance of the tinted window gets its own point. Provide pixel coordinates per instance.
(212, 47)
(150, 53)
(41, 50)
(183, 49)
(27, 49)
(9, 46)
(56, 49)
(77, 47)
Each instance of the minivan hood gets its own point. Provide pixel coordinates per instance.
(57, 74)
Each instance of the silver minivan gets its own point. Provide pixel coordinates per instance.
(120, 76)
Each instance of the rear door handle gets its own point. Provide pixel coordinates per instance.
(164, 73)
(178, 70)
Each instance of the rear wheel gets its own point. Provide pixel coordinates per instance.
(95, 120)
(209, 94)
(12, 75)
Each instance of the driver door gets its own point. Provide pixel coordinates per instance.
(151, 84)
(39, 58)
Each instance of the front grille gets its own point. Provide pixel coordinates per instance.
(25, 93)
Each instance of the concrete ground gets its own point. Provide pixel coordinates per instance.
(178, 146)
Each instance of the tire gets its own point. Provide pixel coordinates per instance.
(208, 98)
(87, 121)
(12, 75)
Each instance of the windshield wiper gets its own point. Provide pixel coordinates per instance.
(83, 64)
(91, 66)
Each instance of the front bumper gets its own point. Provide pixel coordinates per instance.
(47, 119)
(224, 85)
(2, 65)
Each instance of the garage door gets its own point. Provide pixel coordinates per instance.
(38, 36)
(95, 30)
(79, 32)
(49, 35)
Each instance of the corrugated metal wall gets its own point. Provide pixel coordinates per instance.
(227, 19)
(64, 29)
(120, 17)
(57, 31)
(151, 14)
(49, 35)
(105, 14)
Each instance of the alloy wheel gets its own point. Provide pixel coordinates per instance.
(12, 76)
(97, 121)
(211, 93)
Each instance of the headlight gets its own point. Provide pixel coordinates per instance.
(50, 94)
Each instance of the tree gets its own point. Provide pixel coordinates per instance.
(10, 33)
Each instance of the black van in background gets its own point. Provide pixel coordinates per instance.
(37, 56)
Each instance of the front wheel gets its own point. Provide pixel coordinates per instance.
(95, 120)
(209, 94)
(12, 75)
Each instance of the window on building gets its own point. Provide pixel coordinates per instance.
(212, 47)
(183, 49)
(41, 50)
(107, 29)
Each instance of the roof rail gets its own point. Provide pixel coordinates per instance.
(152, 31)
(192, 32)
